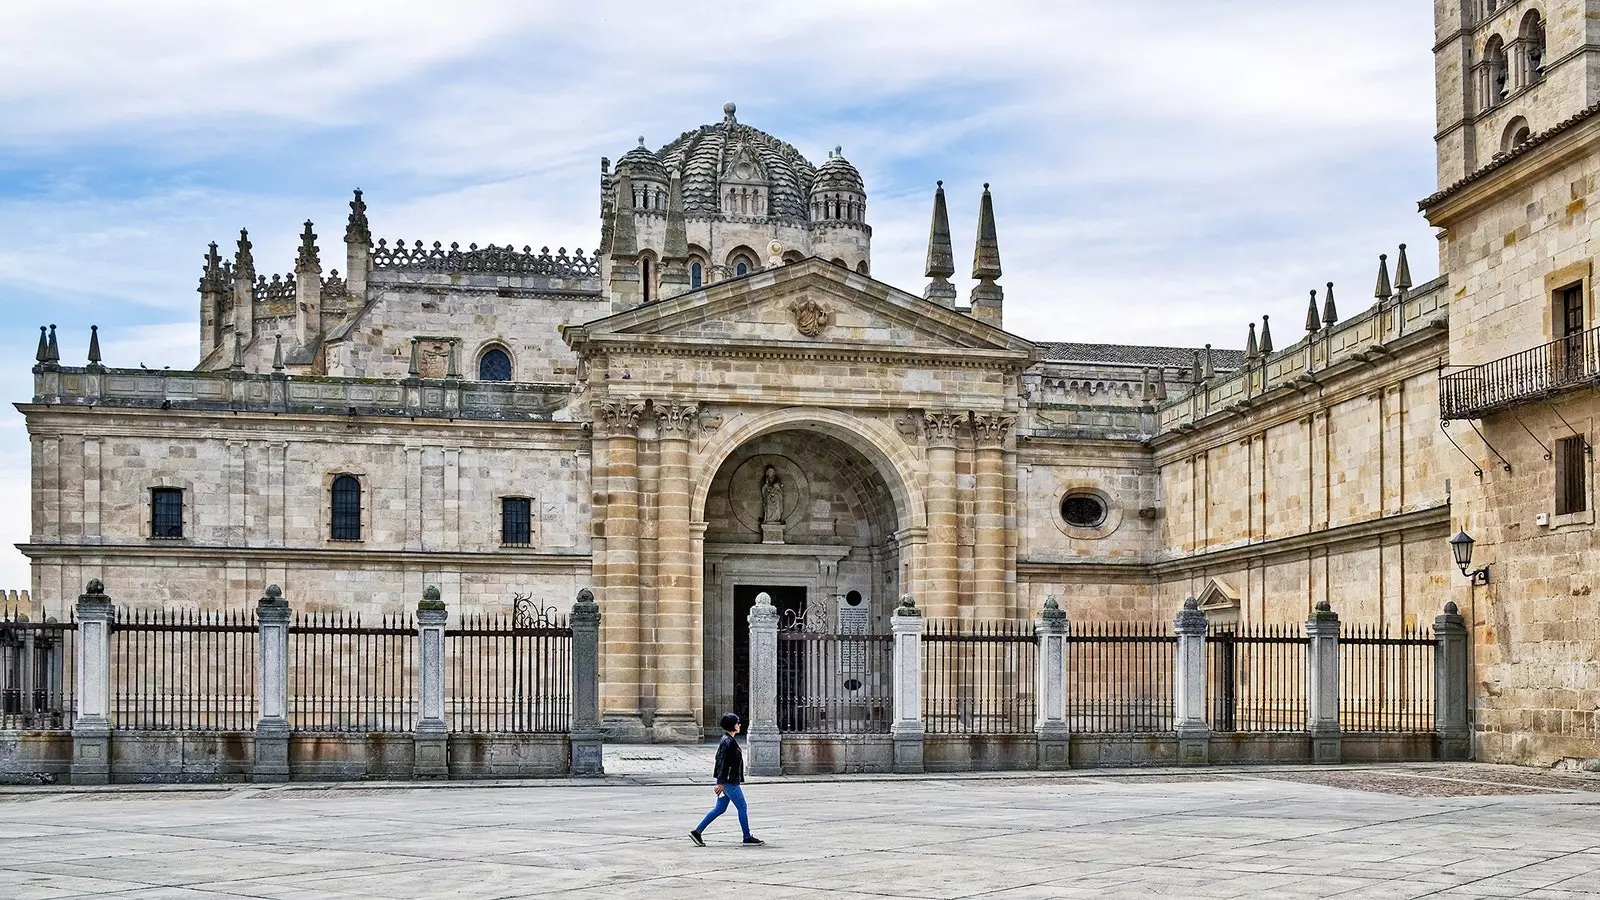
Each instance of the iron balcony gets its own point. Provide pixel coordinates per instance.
(1561, 365)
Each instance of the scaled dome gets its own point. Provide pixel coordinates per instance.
(837, 175)
(703, 155)
(642, 165)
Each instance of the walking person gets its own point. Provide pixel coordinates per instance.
(729, 773)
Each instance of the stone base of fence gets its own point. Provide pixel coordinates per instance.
(34, 757)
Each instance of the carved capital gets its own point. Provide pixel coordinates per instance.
(942, 428)
(677, 419)
(618, 418)
(990, 431)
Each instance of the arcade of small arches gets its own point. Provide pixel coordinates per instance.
(1506, 67)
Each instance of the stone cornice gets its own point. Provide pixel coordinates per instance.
(1570, 141)
(620, 346)
(209, 554)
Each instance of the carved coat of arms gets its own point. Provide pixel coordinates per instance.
(810, 318)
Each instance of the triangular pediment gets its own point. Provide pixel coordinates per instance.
(809, 303)
(1218, 596)
(744, 168)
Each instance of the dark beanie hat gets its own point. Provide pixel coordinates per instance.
(730, 720)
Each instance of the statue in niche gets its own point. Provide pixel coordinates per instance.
(771, 497)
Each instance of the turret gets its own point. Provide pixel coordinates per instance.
(244, 290)
(357, 252)
(624, 286)
(214, 290)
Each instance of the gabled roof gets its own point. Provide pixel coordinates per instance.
(764, 310)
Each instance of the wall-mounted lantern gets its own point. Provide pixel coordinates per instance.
(1461, 549)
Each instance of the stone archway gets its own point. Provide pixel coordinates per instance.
(841, 535)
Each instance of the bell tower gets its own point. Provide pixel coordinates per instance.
(1507, 70)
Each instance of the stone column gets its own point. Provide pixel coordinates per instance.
(1451, 680)
(586, 736)
(989, 532)
(91, 727)
(1055, 738)
(432, 738)
(940, 571)
(1189, 688)
(619, 421)
(906, 730)
(272, 728)
(1322, 684)
(678, 628)
(762, 729)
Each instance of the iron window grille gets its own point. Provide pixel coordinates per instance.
(495, 366)
(346, 508)
(1572, 489)
(166, 512)
(516, 521)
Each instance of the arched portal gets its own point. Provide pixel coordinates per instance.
(804, 512)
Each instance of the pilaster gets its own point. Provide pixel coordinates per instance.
(989, 532)
(941, 429)
(618, 421)
(678, 619)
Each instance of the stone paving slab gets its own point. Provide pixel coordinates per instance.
(1379, 832)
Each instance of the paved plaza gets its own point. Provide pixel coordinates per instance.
(1401, 831)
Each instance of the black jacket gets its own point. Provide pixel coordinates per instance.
(730, 761)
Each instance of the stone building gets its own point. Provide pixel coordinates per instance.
(723, 401)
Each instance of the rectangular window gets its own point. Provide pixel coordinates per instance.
(1572, 483)
(346, 508)
(166, 512)
(516, 521)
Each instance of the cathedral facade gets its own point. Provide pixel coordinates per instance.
(723, 401)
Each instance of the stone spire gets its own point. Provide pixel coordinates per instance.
(1402, 274)
(308, 288)
(1210, 370)
(941, 255)
(1251, 351)
(94, 346)
(277, 353)
(214, 291)
(1384, 291)
(675, 249)
(42, 355)
(356, 229)
(357, 250)
(1313, 321)
(244, 289)
(1194, 373)
(1330, 312)
(55, 349)
(1266, 336)
(624, 286)
(238, 353)
(987, 297)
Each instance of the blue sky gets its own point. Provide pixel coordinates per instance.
(1164, 171)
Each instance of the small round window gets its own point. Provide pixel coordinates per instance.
(1083, 511)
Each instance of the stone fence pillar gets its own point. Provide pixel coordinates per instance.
(1322, 684)
(586, 736)
(1189, 685)
(1451, 679)
(431, 742)
(1055, 737)
(272, 660)
(906, 729)
(762, 729)
(91, 726)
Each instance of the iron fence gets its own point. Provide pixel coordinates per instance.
(38, 665)
(1562, 363)
(979, 677)
(1385, 683)
(1256, 678)
(183, 670)
(509, 674)
(344, 676)
(834, 683)
(1120, 677)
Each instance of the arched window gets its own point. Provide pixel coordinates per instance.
(494, 365)
(741, 268)
(1495, 79)
(346, 508)
(697, 275)
(645, 273)
(1531, 48)
(1516, 134)
(862, 267)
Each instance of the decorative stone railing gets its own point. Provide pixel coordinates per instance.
(279, 392)
(1364, 337)
(506, 260)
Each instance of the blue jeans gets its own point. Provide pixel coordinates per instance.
(729, 792)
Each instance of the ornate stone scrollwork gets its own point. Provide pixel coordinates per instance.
(991, 430)
(618, 417)
(677, 418)
(942, 428)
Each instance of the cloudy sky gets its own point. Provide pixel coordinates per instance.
(1164, 171)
